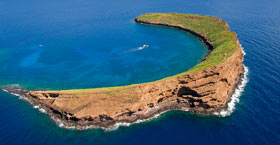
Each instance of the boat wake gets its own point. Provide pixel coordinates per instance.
(139, 48)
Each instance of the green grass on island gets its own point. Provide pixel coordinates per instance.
(214, 29)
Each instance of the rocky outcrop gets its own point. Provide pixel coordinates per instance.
(202, 92)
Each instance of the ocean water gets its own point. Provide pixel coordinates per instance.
(70, 44)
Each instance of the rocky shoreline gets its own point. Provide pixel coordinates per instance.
(17, 90)
(205, 92)
(21, 92)
(202, 38)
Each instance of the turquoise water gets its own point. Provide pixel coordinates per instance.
(80, 44)
(55, 49)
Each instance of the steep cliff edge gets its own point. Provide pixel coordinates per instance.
(204, 89)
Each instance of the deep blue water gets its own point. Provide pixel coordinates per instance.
(84, 43)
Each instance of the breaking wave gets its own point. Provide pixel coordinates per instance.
(237, 93)
(115, 127)
(235, 97)
(26, 99)
(40, 109)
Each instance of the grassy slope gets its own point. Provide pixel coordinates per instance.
(212, 28)
(215, 30)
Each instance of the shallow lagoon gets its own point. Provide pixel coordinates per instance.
(57, 49)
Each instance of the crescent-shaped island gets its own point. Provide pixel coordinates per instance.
(204, 89)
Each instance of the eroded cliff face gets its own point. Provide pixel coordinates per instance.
(204, 92)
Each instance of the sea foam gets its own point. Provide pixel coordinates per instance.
(237, 93)
(235, 97)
